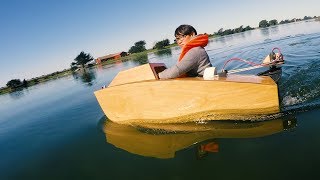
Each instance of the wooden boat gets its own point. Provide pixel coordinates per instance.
(137, 95)
(164, 140)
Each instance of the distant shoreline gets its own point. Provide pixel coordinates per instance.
(66, 72)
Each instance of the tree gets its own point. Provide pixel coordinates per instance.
(83, 59)
(24, 83)
(307, 17)
(161, 44)
(263, 24)
(227, 32)
(14, 83)
(220, 32)
(285, 21)
(138, 47)
(273, 22)
(239, 29)
(248, 28)
(73, 66)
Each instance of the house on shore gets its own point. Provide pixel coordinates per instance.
(99, 60)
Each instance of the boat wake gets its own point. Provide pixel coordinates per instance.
(301, 89)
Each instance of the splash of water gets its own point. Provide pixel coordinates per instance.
(301, 89)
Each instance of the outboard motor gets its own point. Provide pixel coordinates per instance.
(273, 60)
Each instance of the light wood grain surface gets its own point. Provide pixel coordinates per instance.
(162, 101)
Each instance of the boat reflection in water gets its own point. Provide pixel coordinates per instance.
(164, 140)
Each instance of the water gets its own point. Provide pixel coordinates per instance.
(57, 130)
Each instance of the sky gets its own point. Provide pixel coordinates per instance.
(39, 37)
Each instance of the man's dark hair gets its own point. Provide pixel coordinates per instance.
(185, 29)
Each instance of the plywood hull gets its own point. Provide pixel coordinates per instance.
(189, 99)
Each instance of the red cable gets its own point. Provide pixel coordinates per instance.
(249, 62)
(238, 59)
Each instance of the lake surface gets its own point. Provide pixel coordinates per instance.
(56, 130)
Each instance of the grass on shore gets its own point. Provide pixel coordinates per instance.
(38, 80)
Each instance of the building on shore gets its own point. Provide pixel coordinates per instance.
(99, 60)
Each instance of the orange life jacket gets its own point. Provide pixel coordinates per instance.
(200, 40)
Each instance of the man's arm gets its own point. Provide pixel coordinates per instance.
(188, 62)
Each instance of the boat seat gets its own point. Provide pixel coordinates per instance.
(157, 68)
